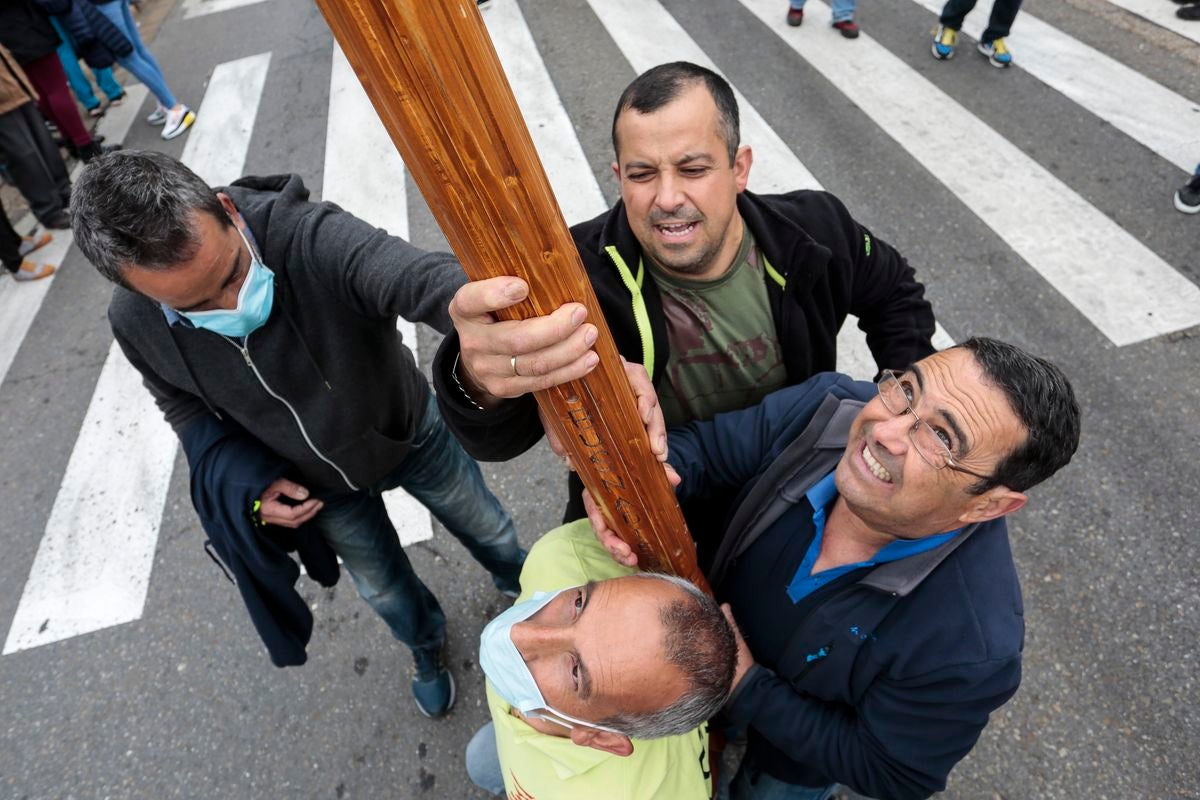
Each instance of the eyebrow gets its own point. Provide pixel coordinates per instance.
(237, 259)
(964, 444)
(585, 678)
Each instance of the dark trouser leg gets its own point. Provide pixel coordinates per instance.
(56, 101)
(358, 529)
(33, 161)
(1000, 23)
(955, 12)
(10, 244)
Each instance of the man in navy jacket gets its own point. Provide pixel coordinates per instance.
(867, 563)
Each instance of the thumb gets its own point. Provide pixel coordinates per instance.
(289, 489)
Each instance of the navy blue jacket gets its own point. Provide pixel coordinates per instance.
(92, 36)
(230, 470)
(915, 667)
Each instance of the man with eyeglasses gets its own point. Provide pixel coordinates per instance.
(867, 563)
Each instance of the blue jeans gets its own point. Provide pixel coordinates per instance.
(80, 85)
(139, 63)
(842, 9)
(440, 474)
(751, 783)
(482, 760)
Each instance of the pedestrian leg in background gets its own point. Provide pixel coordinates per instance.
(1187, 198)
(482, 760)
(992, 43)
(447, 481)
(173, 115)
(79, 83)
(14, 248)
(843, 18)
(357, 527)
(795, 14)
(35, 165)
(55, 101)
(108, 84)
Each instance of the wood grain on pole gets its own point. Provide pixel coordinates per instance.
(435, 80)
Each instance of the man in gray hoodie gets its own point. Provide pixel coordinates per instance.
(252, 305)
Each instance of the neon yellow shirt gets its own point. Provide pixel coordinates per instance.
(537, 766)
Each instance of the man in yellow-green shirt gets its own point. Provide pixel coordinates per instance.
(611, 676)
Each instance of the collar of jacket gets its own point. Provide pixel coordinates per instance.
(900, 577)
(791, 250)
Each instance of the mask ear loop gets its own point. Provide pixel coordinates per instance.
(543, 716)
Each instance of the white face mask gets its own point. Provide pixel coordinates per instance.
(510, 676)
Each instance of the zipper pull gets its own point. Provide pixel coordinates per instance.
(246, 356)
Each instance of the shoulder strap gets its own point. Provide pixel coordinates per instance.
(803, 463)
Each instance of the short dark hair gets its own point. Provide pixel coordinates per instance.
(1042, 398)
(138, 207)
(658, 86)
(700, 643)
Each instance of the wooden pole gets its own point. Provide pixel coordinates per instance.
(429, 68)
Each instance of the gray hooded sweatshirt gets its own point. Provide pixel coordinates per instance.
(326, 383)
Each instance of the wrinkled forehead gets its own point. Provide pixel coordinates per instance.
(954, 382)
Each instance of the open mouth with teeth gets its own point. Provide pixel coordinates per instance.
(876, 468)
(676, 229)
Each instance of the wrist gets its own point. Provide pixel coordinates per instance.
(469, 390)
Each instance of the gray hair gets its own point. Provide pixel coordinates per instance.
(138, 207)
(700, 642)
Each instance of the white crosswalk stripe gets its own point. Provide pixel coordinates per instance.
(373, 190)
(1162, 14)
(93, 566)
(96, 556)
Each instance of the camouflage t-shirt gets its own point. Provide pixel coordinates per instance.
(725, 354)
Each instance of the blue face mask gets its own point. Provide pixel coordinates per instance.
(510, 677)
(255, 301)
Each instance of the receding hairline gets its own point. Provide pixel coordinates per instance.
(686, 85)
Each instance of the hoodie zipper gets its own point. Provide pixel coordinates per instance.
(245, 351)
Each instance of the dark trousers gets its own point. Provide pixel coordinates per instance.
(999, 24)
(10, 244)
(34, 162)
(55, 99)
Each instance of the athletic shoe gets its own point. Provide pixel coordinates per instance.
(1191, 12)
(30, 271)
(848, 27)
(944, 40)
(95, 112)
(1187, 199)
(997, 53)
(179, 119)
(795, 17)
(116, 101)
(157, 117)
(31, 243)
(433, 688)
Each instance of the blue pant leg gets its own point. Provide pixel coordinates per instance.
(796, 4)
(844, 9)
(440, 474)
(139, 63)
(107, 83)
(754, 784)
(357, 527)
(482, 760)
(75, 77)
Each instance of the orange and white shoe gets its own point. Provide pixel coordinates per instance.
(31, 243)
(31, 271)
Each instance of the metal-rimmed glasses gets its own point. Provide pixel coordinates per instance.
(930, 445)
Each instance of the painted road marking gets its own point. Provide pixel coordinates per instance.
(648, 35)
(1161, 14)
(200, 8)
(19, 302)
(365, 175)
(92, 569)
(1130, 294)
(1144, 110)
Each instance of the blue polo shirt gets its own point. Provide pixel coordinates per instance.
(772, 582)
(820, 498)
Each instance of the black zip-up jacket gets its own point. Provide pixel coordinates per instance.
(326, 384)
(825, 267)
(26, 31)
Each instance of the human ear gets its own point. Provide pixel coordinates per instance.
(741, 166)
(607, 742)
(616, 168)
(992, 504)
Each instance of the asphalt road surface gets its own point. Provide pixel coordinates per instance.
(1035, 204)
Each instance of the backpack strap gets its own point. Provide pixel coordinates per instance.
(803, 463)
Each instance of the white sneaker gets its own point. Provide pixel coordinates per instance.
(157, 117)
(179, 119)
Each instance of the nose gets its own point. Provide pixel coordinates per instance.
(669, 194)
(891, 432)
(535, 640)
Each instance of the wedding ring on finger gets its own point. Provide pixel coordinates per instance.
(513, 362)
